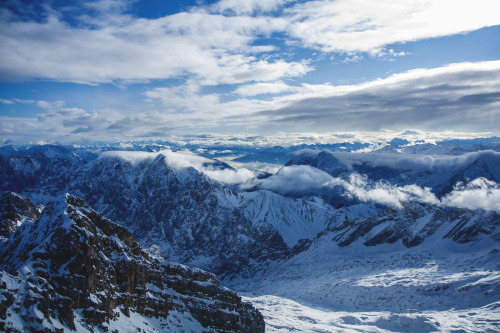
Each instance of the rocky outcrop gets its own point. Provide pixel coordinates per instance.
(73, 269)
(14, 210)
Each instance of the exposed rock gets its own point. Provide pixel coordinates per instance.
(73, 269)
(14, 210)
(415, 223)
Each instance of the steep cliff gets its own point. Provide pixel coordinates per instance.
(72, 269)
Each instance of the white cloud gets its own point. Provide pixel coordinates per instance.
(215, 44)
(451, 101)
(247, 7)
(182, 160)
(6, 101)
(360, 188)
(50, 105)
(264, 88)
(213, 48)
(480, 193)
(23, 101)
(303, 179)
(359, 25)
(296, 179)
(16, 100)
(462, 96)
(242, 177)
(457, 97)
(133, 157)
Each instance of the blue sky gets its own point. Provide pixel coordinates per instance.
(79, 71)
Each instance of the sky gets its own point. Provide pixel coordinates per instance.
(124, 70)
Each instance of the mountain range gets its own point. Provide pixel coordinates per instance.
(348, 236)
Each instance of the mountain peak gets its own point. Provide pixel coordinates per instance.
(72, 268)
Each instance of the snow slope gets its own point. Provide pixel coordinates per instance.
(436, 286)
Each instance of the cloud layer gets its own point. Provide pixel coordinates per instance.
(358, 25)
(459, 96)
(182, 160)
(479, 193)
(242, 66)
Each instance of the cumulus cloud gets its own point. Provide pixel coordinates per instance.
(480, 193)
(211, 47)
(215, 43)
(304, 179)
(242, 177)
(360, 188)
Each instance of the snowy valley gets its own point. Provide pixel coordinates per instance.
(400, 237)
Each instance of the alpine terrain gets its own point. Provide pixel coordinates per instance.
(396, 236)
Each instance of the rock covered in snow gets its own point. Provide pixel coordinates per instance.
(72, 269)
(14, 210)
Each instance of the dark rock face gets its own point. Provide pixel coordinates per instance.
(13, 211)
(74, 269)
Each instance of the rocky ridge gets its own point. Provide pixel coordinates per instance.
(72, 269)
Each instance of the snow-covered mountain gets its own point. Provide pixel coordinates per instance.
(339, 178)
(354, 241)
(191, 218)
(439, 172)
(71, 269)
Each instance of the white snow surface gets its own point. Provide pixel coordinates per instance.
(294, 219)
(439, 286)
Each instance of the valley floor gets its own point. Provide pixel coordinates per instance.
(444, 287)
(286, 315)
